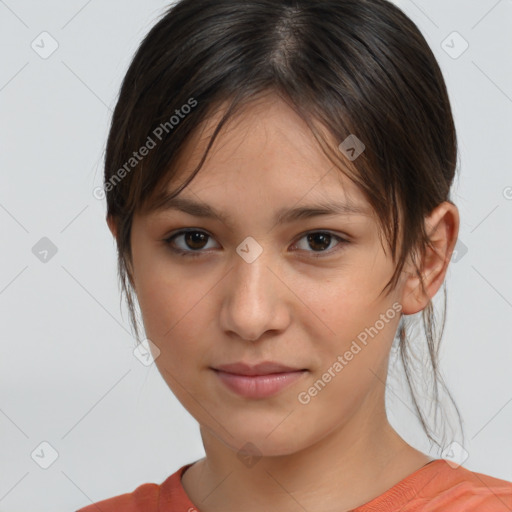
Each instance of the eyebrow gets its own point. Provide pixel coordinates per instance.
(282, 216)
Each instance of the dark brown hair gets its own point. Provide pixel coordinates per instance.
(357, 67)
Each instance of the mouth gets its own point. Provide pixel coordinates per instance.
(259, 386)
(260, 369)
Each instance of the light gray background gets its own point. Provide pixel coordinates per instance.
(68, 374)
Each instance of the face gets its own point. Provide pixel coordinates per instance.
(259, 285)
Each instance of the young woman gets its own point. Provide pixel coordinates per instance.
(278, 179)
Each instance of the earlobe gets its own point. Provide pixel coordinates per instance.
(442, 227)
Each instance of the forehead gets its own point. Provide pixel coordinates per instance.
(265, 152)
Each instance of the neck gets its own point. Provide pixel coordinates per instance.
(345, 469)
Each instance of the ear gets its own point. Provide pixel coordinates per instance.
(112, 225)
(442, 227)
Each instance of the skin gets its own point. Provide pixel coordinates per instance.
(338, 451)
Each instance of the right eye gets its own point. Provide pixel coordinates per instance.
(188, 242)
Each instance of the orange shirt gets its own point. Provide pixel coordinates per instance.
(435, 487)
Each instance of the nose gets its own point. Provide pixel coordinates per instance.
(256, 298)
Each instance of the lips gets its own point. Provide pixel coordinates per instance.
(256, 386)
(264, 368)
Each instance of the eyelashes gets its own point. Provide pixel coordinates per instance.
(190, 239)
(186, 233)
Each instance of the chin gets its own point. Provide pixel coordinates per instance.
(251, 445)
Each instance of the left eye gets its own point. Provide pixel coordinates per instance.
(320, 240)
(193, 241)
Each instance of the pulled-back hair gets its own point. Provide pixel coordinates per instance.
(347, 67)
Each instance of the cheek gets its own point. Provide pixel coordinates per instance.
(349, 315)
(174, 321)
(168, 304)
(346, 298)
(161, 292)
(176, 313)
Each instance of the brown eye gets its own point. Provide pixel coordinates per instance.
(189, 243)
(195, 239)
(320, 242)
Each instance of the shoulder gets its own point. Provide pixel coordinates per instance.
(440, 486)
(450, 488)
(143, 498)
(148, 497)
